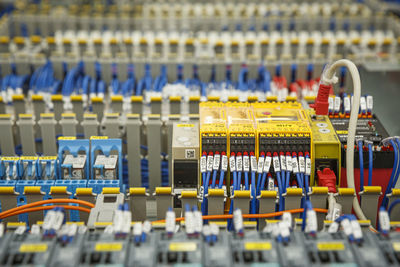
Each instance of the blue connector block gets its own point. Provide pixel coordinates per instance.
(98, 185)
(8, 183)
(71, 185)
(21, 199)
(45, 186)
(106, 146)
(19, 187)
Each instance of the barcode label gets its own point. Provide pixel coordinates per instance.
(308, 166)
(337, 104)
(260, 164)
(232, 163)
(370, 102)
(224, 163)
(246, 163)
(217, 159)
(267, 164)
(295, 166)
(253, 162)
(190, 154)
(239, 163)
(288, 163)
(330, 101)
(203, 164)
(346, 103)
(283, 162)
(276, 164)
(209, 163)
(363, 104)
(302, 165)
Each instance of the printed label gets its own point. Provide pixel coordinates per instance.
(224, 163)
(260, 165)
(232, 163)
(267, 164)
(203, 164)
(246, 163)
(217, 159)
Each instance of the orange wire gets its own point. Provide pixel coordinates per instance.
(45, 208)
(49, 201)
(247, 216)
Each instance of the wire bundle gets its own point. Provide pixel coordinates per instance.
(37, 206)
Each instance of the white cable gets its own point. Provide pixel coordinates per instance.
(328, 78)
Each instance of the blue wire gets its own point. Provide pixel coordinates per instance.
(206, 192)
(280, 186)
(208, 178)
(392, 205)
(299, 181)
(360, 154)
(221, 179)
(287, 179)
(234, 175)
(396, 177)
(283, 178)
(263, 179)
(230, 225)
(214, 179)
(101, 87)
(239, 180)
(258, 183)
(370, 166)
(394, 171)
(203, 204)
(306, 177)
(253, 192)
(246, 180)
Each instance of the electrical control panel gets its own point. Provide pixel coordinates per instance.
(153, 133)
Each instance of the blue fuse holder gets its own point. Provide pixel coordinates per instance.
(71, 185)
(27, 168)
(105, 146)
(73, 146)
(47, 168)
(12, 173)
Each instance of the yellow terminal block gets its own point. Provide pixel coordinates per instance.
(4, 39)
(58, 190)
(37, 98)
(84, 191)
(137, 191)
(136, 99)
(76, 98)
(56, 98)
(18, 97)
(175, 99)
(213, 98)
(189, 194)
(163, 190)
(111, 190)
(156, 99)
(242, 194)
(116, 98)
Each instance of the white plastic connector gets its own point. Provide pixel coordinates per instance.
(137, 229)
(238, 220)
(170, 222)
